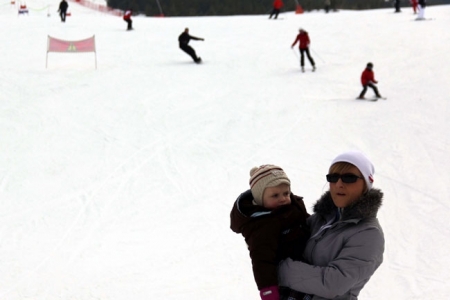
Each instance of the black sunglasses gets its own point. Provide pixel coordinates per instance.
(346, 178)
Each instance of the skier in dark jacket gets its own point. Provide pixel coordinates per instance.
(273, 222)
(184, 39)
(63, 6)
(397, 6)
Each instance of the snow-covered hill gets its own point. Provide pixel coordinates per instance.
(117, 183)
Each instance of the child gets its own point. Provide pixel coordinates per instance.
(368, 80)
(273, 223)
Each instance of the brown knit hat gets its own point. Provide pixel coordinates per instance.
(263, 177)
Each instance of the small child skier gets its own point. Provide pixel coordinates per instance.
(273, 222)
(368, 80)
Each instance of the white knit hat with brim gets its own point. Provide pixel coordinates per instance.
(263, 177)
(360, 161)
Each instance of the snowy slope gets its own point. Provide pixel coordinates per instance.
(117, 183)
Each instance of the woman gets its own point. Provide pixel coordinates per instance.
(347, 243)
(303, 46)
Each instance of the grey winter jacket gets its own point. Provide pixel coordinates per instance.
(343, 255)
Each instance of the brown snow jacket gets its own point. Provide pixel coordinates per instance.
(271, 235)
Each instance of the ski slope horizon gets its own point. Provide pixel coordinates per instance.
(116, 183)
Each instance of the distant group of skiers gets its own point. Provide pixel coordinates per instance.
(367, 76)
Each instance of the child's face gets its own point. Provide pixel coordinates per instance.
(276, 196)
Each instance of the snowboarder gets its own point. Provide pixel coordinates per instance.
(127, 18)
(422, 5)
(277, 5)
(273, 222)
(304, 41)
(63, 6)
(184, 39)
(368, 80)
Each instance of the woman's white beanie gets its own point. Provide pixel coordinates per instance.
(263, 177)
(360, 161)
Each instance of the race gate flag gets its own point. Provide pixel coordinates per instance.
(57, 45)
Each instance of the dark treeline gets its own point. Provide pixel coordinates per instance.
(242, 7)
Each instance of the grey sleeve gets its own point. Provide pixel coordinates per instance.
(355, 264)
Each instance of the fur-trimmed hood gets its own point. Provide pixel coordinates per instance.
(365, 207)
(342, 254)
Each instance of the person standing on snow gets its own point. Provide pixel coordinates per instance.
(127, 18)
(304, 41)
(184, 39)
(397, 6)
(277, 5)
(414, 5)
(422, 5)
(347, 241)
(368, 80)
(327, 5)
(63, 6)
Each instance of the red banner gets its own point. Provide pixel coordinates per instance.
(56, 45)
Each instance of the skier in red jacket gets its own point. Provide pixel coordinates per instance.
(127, 18)
(368, 80)
(303, 39)
(277, 5)
(414, 5)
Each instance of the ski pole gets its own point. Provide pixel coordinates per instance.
(295, 53)
(316, 54)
